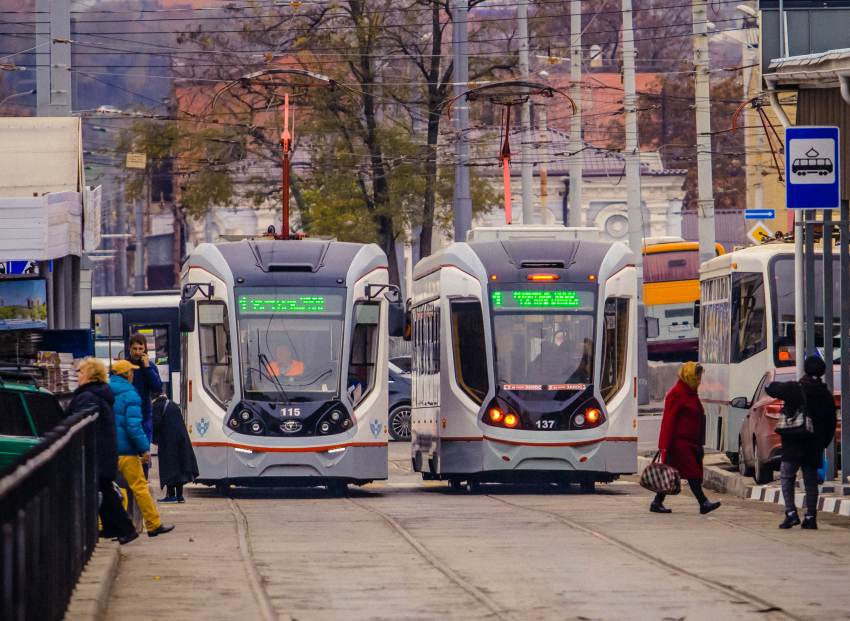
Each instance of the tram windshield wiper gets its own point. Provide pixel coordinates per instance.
(263, 361)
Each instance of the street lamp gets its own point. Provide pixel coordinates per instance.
(32, 92)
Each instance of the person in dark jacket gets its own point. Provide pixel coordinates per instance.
(177, 464)
(683, 436)
(146, 379)
(807, 452)
(95, 396)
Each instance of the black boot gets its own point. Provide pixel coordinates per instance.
(708, 507)
(791, 519)
(810, 522)
(657, 507)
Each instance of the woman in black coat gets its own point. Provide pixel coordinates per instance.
(95, 396)
(177, 464)
(807, 452)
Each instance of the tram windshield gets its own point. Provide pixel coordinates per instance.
(543, 336)
(289, 342)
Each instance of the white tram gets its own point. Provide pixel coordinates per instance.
(746, 328)
(525, 360)
(285, 354)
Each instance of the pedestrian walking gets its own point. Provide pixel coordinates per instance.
(817, 403)
(683, 436)
(176, 459)
(133, 445)
(94, 395)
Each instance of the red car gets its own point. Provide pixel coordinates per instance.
(759, 447)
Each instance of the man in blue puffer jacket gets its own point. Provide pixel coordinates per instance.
(133, 444)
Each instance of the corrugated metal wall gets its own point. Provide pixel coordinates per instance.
(730, 228)
(824, 106)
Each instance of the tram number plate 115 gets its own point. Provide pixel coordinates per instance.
(290, 412)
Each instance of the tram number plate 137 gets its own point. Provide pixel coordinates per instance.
(545, 424)
(290, 412)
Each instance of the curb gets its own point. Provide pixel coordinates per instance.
(715, 479)
(91, 595)
(838, 505)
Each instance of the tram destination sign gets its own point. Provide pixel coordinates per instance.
(530, 298)
(265, 304)
(812, 168)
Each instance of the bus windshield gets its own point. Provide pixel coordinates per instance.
(782, 297)
(289, 342)
(671, 266)
(543, 337)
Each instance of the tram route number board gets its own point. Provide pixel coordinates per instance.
(265, 303)
(536, 299)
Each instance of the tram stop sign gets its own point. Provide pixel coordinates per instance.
(812, 169)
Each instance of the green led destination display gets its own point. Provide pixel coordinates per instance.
(540, 299)
(302, 304)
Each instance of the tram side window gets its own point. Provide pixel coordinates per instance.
(108, 337)
(749, 322)
(214, 335)
(426, 354)
(615, 339)
(364, 350)
(714, 321)
(470, 349)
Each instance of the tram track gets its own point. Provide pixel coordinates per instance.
(495, 609)
(762, 605)
(258, 587)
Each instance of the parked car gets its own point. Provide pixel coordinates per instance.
(399, 418)
(27, 413)
(759, 446)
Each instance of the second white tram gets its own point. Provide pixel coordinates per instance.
(285, 371)
(525, 361)
(746, 328)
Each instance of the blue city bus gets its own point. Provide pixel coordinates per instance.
(154, 314)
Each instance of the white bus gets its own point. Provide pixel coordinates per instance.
(746, 327)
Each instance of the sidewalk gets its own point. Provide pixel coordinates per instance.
(721, 476)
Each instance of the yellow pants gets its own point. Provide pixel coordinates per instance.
(131, 467)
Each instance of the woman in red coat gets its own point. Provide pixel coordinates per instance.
(683, 436)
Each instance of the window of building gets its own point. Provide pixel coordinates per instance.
(364, 350)
(615, 340)
(216, 363)
(470, 349)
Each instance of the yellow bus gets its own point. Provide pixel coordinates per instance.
(670, 288)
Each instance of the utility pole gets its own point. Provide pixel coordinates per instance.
(633, 194)
(545, 214)
(42, 42)
(460, 50)
(140, 244)
(576, 157)
(53, 36)
(120, 245)
(286, 145)
(527, 165)
(705, 214)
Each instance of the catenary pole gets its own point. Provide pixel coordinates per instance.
(576, 155)
(705, 202)
(633, 194)
(460, 49)
(828, 326)
(525, 109)
(140, 245)
(844, 259)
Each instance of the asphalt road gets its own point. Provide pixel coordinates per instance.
(405, 550)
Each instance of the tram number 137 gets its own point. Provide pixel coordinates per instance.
(290, 412)
(545, 424)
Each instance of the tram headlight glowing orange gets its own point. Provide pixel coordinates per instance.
(592, 415)
(496, 415)
(511, 420)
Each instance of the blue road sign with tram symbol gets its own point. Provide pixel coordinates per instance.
(813, 179)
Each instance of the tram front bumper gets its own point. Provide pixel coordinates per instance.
(611, 457)
(246, 466)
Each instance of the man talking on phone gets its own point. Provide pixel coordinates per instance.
(145, 381)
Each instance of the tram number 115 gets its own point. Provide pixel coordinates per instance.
(290, 412)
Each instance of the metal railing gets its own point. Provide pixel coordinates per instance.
(48, 521)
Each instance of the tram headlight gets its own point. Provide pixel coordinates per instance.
(496, 415)
(511, 420)
(256, 427)
(325, 427)
(245, 415)
(588, 415)
(593, 415)
(579, 420)
(335, 416)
